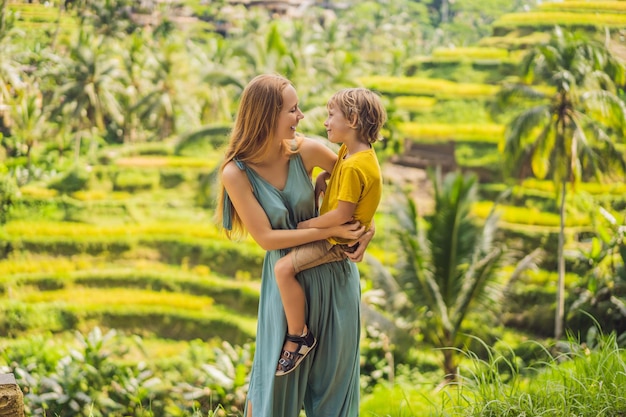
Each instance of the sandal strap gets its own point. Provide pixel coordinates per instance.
(306, 339)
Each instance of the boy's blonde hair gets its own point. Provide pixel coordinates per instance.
(364, 109)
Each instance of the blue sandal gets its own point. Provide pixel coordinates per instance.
(289, 360)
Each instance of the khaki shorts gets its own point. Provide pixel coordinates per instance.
(316, 253)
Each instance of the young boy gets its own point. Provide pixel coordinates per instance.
(355, 118)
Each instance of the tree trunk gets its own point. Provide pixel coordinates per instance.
(445, 11)
(449, 364)
(559, 316)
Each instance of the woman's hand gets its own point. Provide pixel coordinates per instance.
(320, 188)
(363, 241)
(349, 231)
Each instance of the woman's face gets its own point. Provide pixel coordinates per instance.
(290, 115)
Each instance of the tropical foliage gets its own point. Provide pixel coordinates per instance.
(451, 265)
(112, 119)
(572, 133)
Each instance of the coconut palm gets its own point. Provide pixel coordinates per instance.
(164, 107)
(88, 85)
(111, 18)
(267, 50)
(221, 76)
(28, 121)
(451, 264)
(10, 68)
(569, 130)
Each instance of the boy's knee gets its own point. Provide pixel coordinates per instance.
(283, 267)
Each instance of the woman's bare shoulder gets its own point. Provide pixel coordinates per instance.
(317, 153)
(308, 143)
(311, 147)
(232, 174)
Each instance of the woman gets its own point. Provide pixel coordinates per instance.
(266, 190)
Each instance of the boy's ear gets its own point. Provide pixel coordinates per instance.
(353, 121)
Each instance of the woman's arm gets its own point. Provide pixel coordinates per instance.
(315, 154)
(320, 188)
(256, 222)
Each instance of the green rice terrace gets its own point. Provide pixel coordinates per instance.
(504, 164)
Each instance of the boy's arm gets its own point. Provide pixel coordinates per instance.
(341, 215)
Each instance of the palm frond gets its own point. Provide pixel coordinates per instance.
(423, 288)
(519, 139)
(451, 231)
(215, 134)
(222, 79)
(606, 108)
(384, 280)
(514, 93)
(596, 148)
(479, 275)
(599, 80)
(541, 154)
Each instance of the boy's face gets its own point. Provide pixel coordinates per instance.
(337, 126)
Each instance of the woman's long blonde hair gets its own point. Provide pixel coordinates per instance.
(253, 134)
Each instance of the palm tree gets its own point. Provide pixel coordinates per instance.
(569, 133)
(28, 121)
(452, 264)
(222, 77)
(10, 68)
(111, 18)
(89, 84)
(267, 50)
(168, 101)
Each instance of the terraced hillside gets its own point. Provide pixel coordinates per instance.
(132, 252)
(129, 242)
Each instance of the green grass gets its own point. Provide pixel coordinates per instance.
(529, 215)
(585, 6)
(515, 40)
(435, 132)
(427, 87)
(548, 19)
(580, 378)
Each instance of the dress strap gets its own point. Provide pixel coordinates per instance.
(227, 220)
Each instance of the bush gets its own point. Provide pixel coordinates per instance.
(172, 178)
(8, 193)
(132, 181)
(68, 246)
(16, 318)
(75, 179)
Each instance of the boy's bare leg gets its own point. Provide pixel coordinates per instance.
(293, 298)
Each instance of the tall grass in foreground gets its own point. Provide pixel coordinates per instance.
(581, 379)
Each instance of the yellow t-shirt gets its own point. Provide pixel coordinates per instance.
(356, 179)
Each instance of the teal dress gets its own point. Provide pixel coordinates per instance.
(326, 384)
